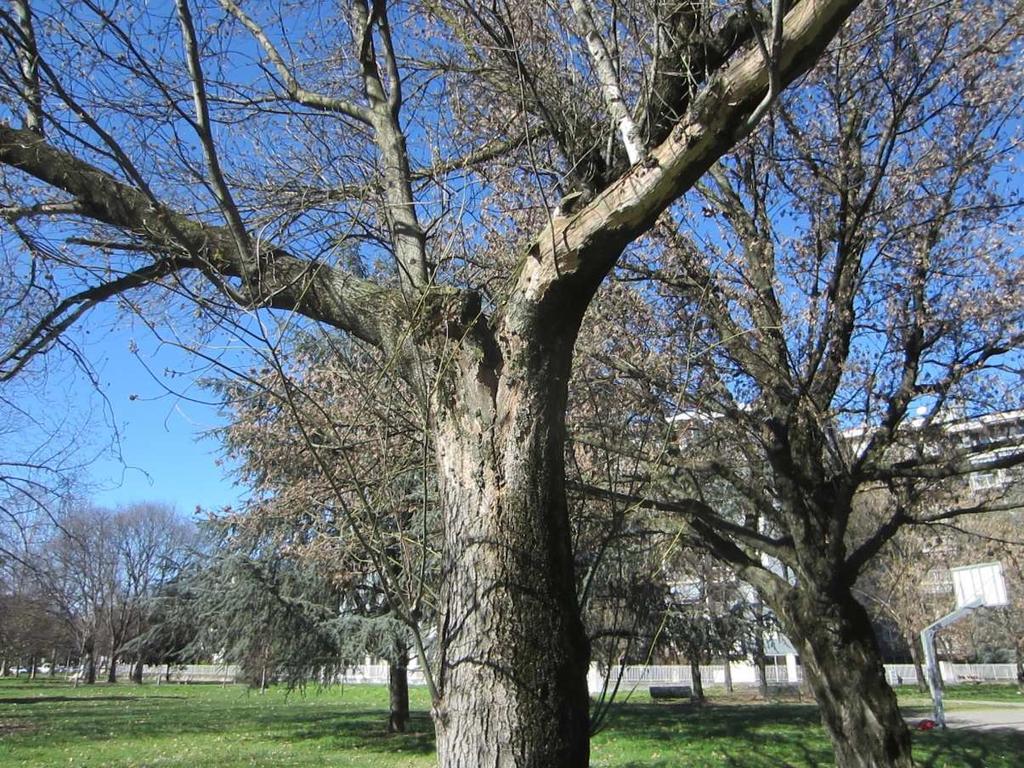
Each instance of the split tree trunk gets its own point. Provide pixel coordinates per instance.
(398, 693)
(844, 668)
(513, 652)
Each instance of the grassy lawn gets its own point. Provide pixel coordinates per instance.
(965, 692)
(51, 724)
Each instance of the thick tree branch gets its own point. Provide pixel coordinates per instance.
(584, 247)
(204, 130)
(28, 60)
(694, 510)
(407, 235)
(269, 276)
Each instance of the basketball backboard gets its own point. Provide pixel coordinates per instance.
(982, 582)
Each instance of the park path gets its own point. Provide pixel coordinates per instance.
(987, 716)
(976, 714)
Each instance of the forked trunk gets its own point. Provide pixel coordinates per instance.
(844, 668)
(513, 652)
(398, 694)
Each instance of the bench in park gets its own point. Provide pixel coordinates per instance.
(671, 692)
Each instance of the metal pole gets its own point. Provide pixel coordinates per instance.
(931, 666)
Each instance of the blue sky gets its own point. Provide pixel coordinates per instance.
(159, 418)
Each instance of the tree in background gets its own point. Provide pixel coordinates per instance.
(898, 585)
(97, 570)
(830, 296)
(491, 173)
(334, 449)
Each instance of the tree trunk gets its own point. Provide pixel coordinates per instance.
(398, 693)
(32, 668)
(696, 681)
(844, 668)
(137, 672)
(915, 657)
(53, 663)
(513, 655)
(1019, 658)
(761, 665)
(112, 668)
(88, 662)
(727, 675)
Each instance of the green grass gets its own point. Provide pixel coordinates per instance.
(966, 692)
(51, 724)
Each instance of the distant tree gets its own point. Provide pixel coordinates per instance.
(98, 569)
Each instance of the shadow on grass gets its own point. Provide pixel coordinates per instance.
(969, 748)
(53, 699)
(785, 736)
(68, 720)
(763, 736)
(365, 728)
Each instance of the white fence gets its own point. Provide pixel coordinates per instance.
(952, 674)
(742, 673)
(183, 673)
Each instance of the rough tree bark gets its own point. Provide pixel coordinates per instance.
(89, 662)
(112, 667)
(844, 668)
(510, 698)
